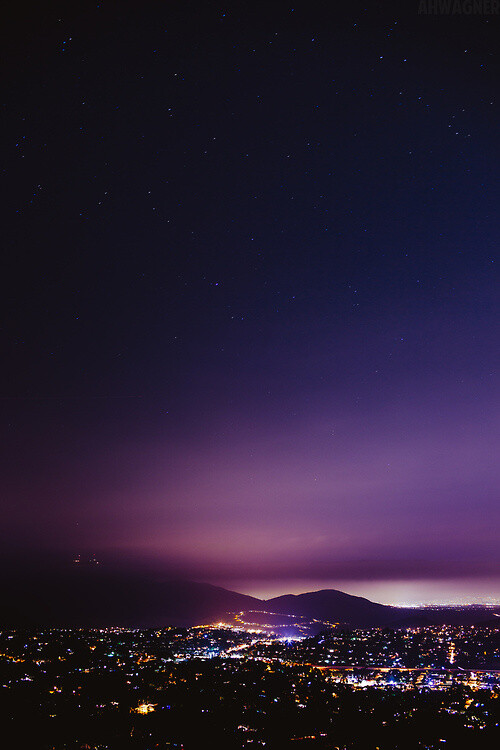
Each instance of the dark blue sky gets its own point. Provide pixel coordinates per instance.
(250, 289)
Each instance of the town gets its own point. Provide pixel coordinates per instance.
(236, 687)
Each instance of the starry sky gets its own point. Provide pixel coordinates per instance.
(250, 294)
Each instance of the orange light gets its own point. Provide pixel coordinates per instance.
(144, 708)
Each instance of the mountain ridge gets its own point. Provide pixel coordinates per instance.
(98, 598)
(323, 604)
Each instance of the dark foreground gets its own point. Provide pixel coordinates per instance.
(210, 688)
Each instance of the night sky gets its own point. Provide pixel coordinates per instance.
(250, 294)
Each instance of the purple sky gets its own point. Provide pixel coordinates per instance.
(392, 490)
(251, 324)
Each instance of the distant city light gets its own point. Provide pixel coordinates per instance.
(144, 708)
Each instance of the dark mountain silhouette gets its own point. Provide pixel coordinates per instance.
(334, 606)
(92, 597)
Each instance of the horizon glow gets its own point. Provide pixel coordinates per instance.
(411, 593)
